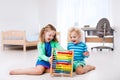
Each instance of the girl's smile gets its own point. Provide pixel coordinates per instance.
(49, 36)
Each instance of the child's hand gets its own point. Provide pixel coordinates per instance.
(50, 59)
(86, 53)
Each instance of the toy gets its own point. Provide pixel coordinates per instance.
(62, 63)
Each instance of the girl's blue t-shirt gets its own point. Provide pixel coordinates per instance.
(48, 49)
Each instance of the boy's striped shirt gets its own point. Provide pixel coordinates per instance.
(78, 49)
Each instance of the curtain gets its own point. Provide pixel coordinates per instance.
(80, 12)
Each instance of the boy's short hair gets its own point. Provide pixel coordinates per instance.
(76, 29)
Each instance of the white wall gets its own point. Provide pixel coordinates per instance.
(28, 15)
(116, 22)
(48, 12)
(18, 14)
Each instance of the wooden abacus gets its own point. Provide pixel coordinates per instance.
(62, 63)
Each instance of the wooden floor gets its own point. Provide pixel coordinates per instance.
(106, 62)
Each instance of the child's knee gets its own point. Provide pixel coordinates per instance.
(39, 72)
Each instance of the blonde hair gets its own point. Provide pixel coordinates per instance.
(76, 29)
(46, 29)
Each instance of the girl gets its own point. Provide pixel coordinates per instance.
(80, 51)
(48, 41)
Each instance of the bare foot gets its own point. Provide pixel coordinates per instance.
(89, 68)
(12, 72)
(16, 72)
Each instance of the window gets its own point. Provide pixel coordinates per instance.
(80, 13)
